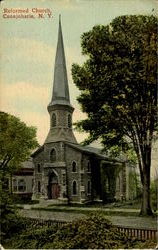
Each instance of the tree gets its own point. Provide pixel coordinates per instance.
(119, 91)
(17, 142)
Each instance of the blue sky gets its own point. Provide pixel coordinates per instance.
(28, 51)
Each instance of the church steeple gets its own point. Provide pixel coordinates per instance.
(59, 108)
(60, 93)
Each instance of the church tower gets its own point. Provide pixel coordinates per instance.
(60, 109)
(64, 171)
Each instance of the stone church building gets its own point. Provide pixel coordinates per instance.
(65, 171)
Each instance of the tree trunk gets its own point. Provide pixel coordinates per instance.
(146, 207)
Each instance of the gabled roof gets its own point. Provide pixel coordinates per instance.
(87, 150)
(95, 151)
(40, 149)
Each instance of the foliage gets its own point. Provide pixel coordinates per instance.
(94, 232)
(118, 89)
(35, 236)
(23, 200)
(17, 142)
(11, 223)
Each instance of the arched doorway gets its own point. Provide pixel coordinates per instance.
(53, 186)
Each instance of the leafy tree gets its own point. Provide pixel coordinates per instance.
(17, 142)
(118, 89)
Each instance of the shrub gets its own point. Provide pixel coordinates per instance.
(34, 237)
(92, 232)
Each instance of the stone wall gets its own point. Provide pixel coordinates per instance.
(73, 155)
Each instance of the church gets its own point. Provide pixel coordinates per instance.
(64, 171)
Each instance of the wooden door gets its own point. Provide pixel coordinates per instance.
(55, 190)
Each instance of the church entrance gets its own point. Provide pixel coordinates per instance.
(53, 186)
(55, 190)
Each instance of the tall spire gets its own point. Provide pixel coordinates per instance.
(60, 85)
(60, 109)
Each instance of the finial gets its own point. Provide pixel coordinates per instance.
(59, 17)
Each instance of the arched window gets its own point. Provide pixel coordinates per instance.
(74, 188)
(21, 185)
(54, 120)
(74, 166)
(69, 121)
(53, 155)
(39, 168)
(39, 186)
(89, 187)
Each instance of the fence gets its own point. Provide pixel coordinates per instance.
(139, 233)
(43, 222)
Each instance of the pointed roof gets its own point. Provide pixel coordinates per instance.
(60, 85)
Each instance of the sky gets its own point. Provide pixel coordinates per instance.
(28, 47)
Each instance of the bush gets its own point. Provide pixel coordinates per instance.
(10, 222)
(34, 237)
(93, 232)
(23, 199)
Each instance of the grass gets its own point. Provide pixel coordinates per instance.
(86, 212)
(135, 204)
